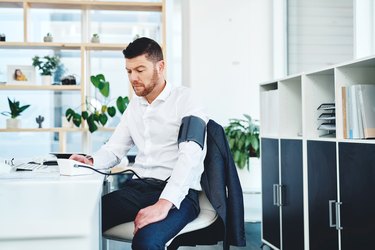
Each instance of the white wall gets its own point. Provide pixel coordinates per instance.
(227, 52)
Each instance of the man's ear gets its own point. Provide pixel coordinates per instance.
(161, 66)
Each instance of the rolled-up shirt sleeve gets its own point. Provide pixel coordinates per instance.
(118, 145)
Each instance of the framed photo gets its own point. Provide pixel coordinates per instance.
(20, 74)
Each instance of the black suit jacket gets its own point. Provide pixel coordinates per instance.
(222, 186)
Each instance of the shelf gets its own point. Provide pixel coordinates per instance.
(2, 130)
(40, 87)
(45, 130)
(11, 4)
(86, 5)
(61, 46)
(81, 57)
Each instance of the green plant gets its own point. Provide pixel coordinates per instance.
(47, 64)
(95, 115)
(243, 138)
(15, 109)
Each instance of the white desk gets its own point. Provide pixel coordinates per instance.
(51, 213)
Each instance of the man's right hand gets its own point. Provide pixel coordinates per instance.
(84, 159)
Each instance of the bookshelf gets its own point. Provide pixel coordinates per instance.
(331, 173)
(86, 20)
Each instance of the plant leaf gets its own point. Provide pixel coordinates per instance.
(103, 119)
(122, 103)
(111, 111)
(85, 115)
(91, 123)
(104, 88)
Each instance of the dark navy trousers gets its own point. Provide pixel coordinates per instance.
(123, 205)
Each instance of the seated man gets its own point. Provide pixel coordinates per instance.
(164, 198)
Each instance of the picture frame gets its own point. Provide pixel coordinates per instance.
(26, 74)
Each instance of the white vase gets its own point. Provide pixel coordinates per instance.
(95, 40)
(251, 187)
(13, 123)
(46, 80)
(251, 179)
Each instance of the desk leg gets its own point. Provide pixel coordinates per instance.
(103, 242)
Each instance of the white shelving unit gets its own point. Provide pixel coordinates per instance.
(331, 175)
(84, 48)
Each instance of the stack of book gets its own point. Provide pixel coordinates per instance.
(328, 117)
(358, 102)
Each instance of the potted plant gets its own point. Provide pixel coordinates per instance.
(243, 138)
(96, 115)
(48, 38)
(95, 38)
(46, 65)
(15, 111)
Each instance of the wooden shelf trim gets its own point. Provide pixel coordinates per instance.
(59, 130)
(89, 5)
(40, 87)
(41, 130)
(62, 46)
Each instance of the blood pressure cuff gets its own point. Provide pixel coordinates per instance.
(192, 129)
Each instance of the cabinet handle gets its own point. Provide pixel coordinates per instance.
(280, 195)
(275, 194)
(330, 213)
(338, 216)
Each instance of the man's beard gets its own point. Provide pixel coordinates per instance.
(151, 87)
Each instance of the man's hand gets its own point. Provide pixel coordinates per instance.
(81, 158)
(151, 214)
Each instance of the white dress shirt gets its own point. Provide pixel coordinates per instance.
(154, 128)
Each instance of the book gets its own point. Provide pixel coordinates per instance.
(366, 96)
(344, 114)
(354, 122)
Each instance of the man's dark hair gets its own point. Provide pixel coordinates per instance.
(144, 46)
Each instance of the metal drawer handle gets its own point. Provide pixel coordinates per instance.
(338, 216)
(330, 213)
(275, 194)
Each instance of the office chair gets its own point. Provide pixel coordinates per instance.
(221, 184)
(206, 217)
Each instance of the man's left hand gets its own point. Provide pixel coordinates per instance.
(151, 214)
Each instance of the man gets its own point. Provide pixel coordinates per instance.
(165, 197)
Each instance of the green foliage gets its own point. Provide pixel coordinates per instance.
(94, 116)
(15, 109)
(243, 138)
(47, 64)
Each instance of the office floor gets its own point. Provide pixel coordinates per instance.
(253, 241)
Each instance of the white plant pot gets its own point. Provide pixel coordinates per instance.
(48, 39)
(46, 80)
(251, 179)
(251, 187)
(13, 123)
(95, 40)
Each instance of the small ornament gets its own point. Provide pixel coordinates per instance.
(39, 120)
(95, 38)
(48, 38)
(2, 38)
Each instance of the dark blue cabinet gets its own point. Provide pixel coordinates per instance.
(322, 193)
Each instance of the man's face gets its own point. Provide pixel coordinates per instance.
(143, 74)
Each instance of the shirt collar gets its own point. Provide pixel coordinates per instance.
(161, 97)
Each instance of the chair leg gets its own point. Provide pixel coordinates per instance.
(104, 243)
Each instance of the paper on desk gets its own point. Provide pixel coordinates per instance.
(30, 175)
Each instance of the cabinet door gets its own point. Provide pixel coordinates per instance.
(322, 186)
(357, 187)
(292, 194)
(270, 176)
